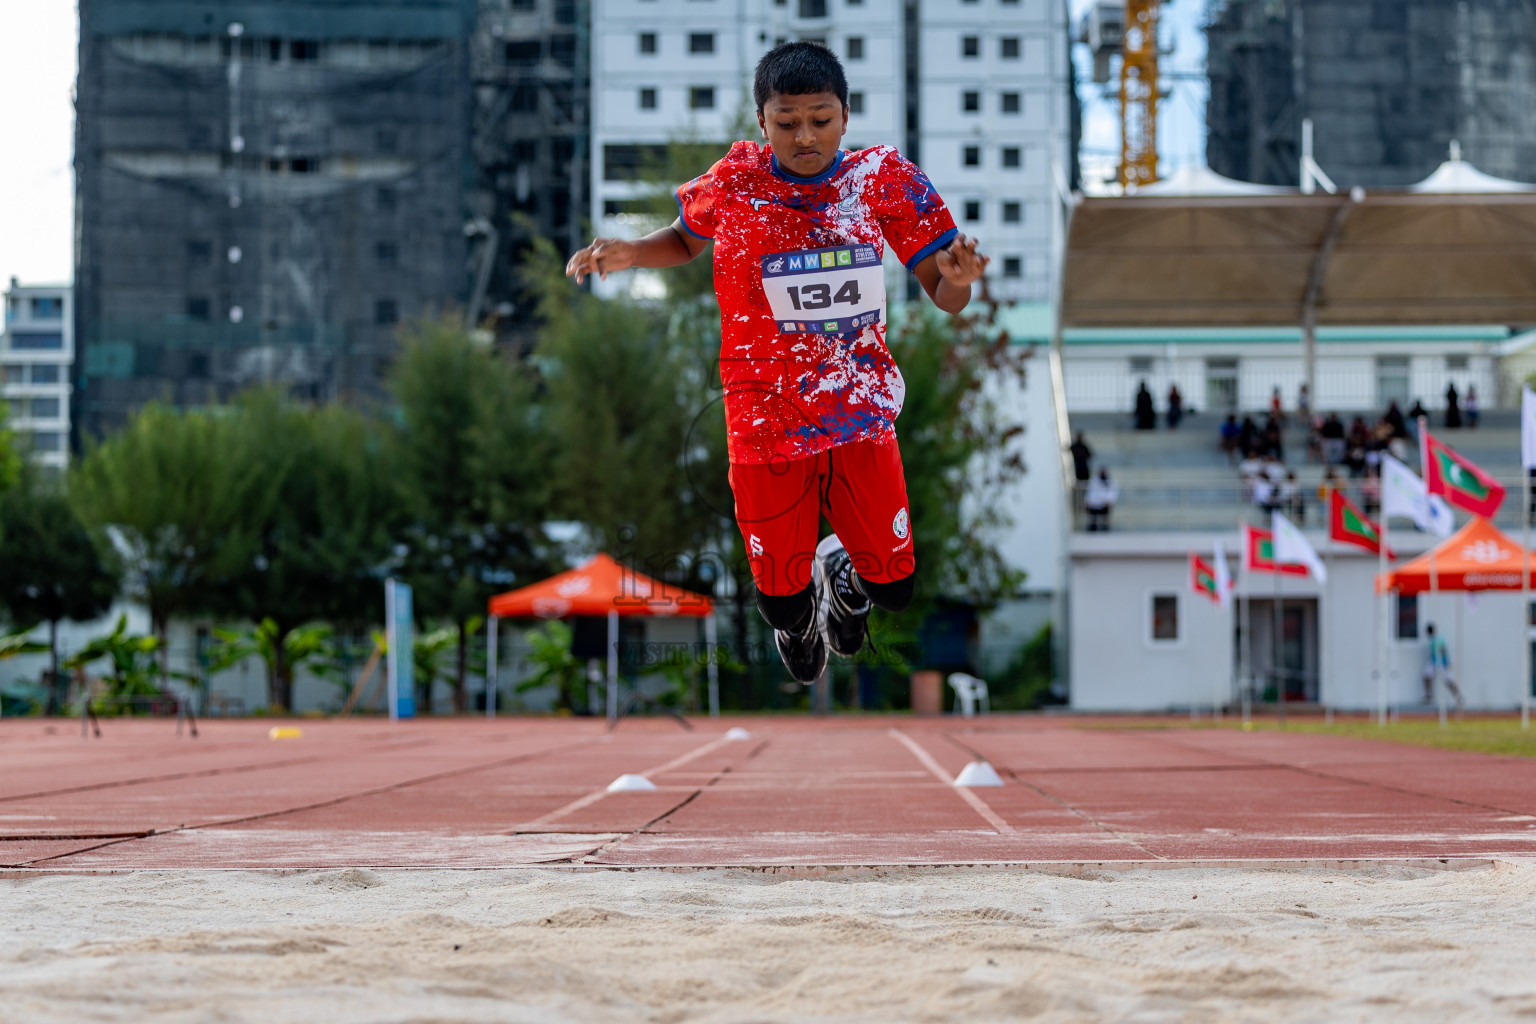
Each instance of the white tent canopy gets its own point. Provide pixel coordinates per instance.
(1199, 180)
(1457, 177)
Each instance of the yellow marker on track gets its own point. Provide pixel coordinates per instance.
(284, 732)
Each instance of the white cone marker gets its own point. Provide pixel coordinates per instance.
(635, 784)
(978, 773)
(738, 733)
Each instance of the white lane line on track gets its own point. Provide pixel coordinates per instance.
(596, 795)
(976, 802)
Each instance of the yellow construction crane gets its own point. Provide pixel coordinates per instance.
(1138, 94)
(1128, 29)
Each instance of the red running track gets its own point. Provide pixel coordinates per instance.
(799, 792)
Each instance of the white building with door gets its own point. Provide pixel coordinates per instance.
(975, 90)
(1143, 640)
(36, 352)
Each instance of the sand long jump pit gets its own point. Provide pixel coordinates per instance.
(811, 870)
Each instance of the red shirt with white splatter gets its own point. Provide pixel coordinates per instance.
(792, 395)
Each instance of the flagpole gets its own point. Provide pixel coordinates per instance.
(1323, 638)
(1274, 646)
(1525, 591)
(1386, 613)
(1247, 681)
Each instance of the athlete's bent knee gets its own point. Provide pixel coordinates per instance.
(791, 612)
(894, 596)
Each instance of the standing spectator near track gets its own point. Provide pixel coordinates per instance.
(1470, 406)
(1452, 409)
(1175, 406)
(1144, 413)
(1100, 500)
(1437, 665)
(1333, 439)
(811, 392)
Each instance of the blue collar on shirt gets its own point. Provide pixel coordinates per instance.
(796, 179)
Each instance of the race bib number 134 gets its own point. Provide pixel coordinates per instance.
(825, 291)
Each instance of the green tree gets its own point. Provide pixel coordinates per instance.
(321, 548)
(475, 477)
(10, 453)
(554, 665)
(633, 404)
(959, 452)
(131, 661)
(175, 496)
(53, 569)
(285, 652)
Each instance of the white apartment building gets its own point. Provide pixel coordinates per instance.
(976, 90)
(36, 352)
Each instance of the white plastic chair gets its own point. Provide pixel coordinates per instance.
(970, 694)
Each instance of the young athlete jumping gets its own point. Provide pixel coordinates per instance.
(811, 391)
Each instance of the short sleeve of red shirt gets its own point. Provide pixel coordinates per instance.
(696, 199)
(911, 215)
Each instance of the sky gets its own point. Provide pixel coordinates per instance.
(37, 80)
(37, 75)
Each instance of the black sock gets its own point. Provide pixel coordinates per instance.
(792, 613)
(894, 596)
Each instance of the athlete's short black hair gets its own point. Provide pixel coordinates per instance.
(798, 68)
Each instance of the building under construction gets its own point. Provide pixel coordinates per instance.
(1388, 84)
(265, 192)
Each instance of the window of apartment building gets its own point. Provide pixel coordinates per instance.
(525, 99)
(14, 373)
(44, 408)
(701, 42)
(971, 156)
(701, 97)
(524, 5)
(384, 198)
(44, 373)
(1010, 3)
(304, 165)
(970, 46)
(855, 47)
(199, 250)
(1013, 266)
(386, 253)
(623, 162)
(814, 39)
(1165, 617)
(197, 309)
(525, 150)
(1013, 212)
(47, 441)
(386, 312)
(972, 210)
(970, 101)
(37, 341)
(385, 140)
(1012, 156)
(303, 50)
(1012, 103)
(780, 3)
(647, 42)
(855, 103)
(274, 50)
(1010, 47)
(522, 52)
(647, 99)
(813, 8)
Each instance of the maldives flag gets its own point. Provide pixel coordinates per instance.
(1459, 480)
(1259, 554)
(1346, 523)
(1202, 576)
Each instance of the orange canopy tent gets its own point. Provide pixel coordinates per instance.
(1479, 556)
(601, 586)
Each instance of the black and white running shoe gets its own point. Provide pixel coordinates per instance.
(805, 653)
(847, 609)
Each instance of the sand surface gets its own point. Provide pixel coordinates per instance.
(1389, 943)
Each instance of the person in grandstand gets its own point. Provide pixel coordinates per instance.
(800, 227)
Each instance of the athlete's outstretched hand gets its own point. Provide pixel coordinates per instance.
(602, 257)
(960, 263)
